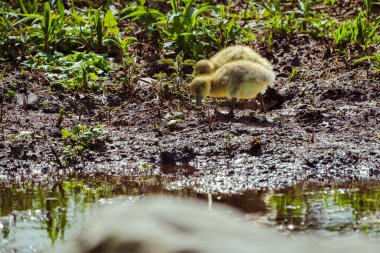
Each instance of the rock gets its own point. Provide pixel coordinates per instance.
(24, 134)
(30, 99)
(163, 225)
(168, 157)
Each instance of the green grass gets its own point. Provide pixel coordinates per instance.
(75, 42)
(375, 59)
(370, 4)
(74, 71)
(80, 138)
(360, 32)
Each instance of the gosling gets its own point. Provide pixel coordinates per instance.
(234, 80)
(230, 54)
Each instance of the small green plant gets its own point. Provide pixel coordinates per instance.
(173, 120)
(360, 31)
(375, 58)
(177, 65)
(112, 29)
(80, 138)
(293, 73)
(50, 23)
(12, 44)
(126, 79)
(5, 96)
(168, 89)
(304, 7)
(182, 27)
(281, 25)
(271, 8)
(92, 33)
(47, 25)
(28, 7)
(230, 31)
(146, 18)
(369, 5)
(320, 25)
(9, 94)
(148, 167)
(61, 117)
(227, 142)
(73, 71)
(329, 2)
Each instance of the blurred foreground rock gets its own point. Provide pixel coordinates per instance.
(164, 225)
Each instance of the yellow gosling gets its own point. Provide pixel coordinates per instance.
(204, 67)
(229, 54)
(240, 79)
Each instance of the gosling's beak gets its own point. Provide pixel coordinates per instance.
(198, 100)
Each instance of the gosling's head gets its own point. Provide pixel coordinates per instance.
(200, 87)
(203, 67)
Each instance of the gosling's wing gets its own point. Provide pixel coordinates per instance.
(256, 79)
(221, 58)
(230, 76)
(227, 55)
(247, 53)
(236, 53)
(257, 73)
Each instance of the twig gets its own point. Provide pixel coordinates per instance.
(55, 155)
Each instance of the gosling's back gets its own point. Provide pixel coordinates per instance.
(241, 79)
(235, 53)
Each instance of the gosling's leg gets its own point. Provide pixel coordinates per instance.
(261, 100)
(232, 107)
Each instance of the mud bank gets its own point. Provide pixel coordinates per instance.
(322, 125)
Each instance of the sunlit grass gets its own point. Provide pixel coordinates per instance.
(198, 30)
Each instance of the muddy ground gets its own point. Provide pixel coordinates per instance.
(322, 126)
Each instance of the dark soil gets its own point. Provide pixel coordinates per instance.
(321, 126)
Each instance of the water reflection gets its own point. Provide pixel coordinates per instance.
(249, 202)
(36, 217)
(347, 209)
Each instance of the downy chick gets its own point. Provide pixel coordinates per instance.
(230, 54)
(234, 80)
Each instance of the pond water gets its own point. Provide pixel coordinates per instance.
(40, 216)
